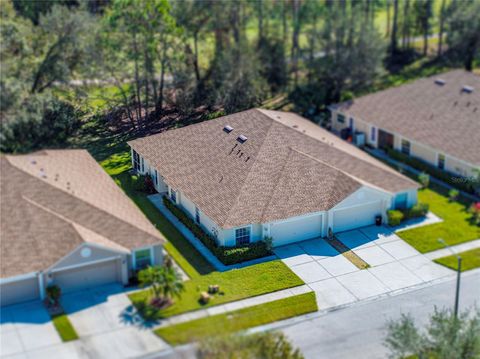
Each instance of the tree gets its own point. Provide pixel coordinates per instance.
(61, 40)
(441, 28)
(256, 346)
(424, 14)
(165, 282)
(445, 337)
(393, 41)
(463, 28)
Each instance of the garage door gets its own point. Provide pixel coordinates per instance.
(87, 276)
(19, 291)
(296, 230)
(355, 217)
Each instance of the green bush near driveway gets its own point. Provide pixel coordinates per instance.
(226, 255)
(470, 260)
(394, 217)
(64, 328)
(235, 321)
(456, 226)
(234, 285)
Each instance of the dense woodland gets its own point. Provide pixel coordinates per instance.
(137, 65)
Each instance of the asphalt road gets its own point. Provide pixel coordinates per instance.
(358, 331)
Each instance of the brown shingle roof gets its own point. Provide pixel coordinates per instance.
(52, 201)
(441, 116)
(279, 172)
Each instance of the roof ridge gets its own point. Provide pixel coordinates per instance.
(253, 164)
(90, 204)
(277, 181)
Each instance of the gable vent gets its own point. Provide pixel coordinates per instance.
(242, 138)
(228, 129)
(440, 82)
(467, 89)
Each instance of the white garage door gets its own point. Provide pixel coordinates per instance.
(88, 276)
(355, 217)
(296, 230)
(19, 291)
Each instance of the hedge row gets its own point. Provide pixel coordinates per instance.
(396, 216)
(226, 255)
(442, 175)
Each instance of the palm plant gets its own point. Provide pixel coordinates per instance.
(165, 282)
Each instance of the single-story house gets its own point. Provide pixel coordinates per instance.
(436, 119)
(260, 173)
(66, 222)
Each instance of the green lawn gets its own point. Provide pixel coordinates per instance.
(239, 320)
(234, 285)
(64, 328)
(455, 228)
(187, 257)
(470, 260)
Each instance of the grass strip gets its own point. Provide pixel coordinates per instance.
(470, 260)
(234, 285)
(239, 320)
(456, 227)
(64, 328)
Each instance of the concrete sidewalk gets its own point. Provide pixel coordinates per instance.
(445, 252)
(232, 306)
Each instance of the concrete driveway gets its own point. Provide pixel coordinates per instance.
(103, 318)
(394, 266)
(25, 327)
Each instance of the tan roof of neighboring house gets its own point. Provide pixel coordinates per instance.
(443, 117)
(53, 201)
(282, 170)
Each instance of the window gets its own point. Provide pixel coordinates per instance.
(143, 258)
(406, 147)
(143, 164)
(136, 161)
(242, 236)
(401, 201)
(156, 177)
(372, 133)
(441, 161)
(350, 123)
(340, 118)
(197, 215)
(173, 195)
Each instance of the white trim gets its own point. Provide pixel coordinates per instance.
(18, 278)
(250, 226)
(134, 261)
(74, 266)
(296, 218)
(95, 245)
(41, 285)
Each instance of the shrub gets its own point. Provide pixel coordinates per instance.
(43, 121)
(475, 211)
(226, 255)
(418, 210)
(53, 294)
(453, 195)
(424, 179)
(442, 175)
(394, 217)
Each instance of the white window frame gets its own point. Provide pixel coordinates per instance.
(405, 141)
(343, 118)
(173, 195)
(249, 235)
(439, 155)
(134, 260)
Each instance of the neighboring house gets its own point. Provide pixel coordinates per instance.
(66, 222)
(260, 173)
(436, 119)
